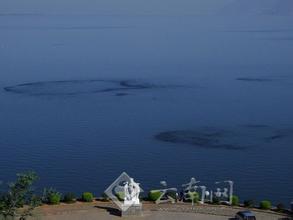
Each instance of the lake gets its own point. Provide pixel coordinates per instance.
(162, 97)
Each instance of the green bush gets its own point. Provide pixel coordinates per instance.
(235, 200)
(54, 199)
(265, 205)
(154, 195)
(69, 198)
(192, 197)
(51, 196)
(87, 197)
(249, 203)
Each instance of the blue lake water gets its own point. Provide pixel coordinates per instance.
(83, 98)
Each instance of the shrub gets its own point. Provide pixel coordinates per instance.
(87, 197)
(55, 199)
(154, 195)
(19, 199)
(193, 197)
(69, 198)
(265, 205)
(249, 203)
(173, 194)
(235, 200)
(51, 196)
(216, 200)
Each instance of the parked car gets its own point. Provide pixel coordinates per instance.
(245, 215)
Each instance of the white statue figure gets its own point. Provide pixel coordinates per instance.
(218, 193)
(126, 192)
(131, 193)
(225, 193)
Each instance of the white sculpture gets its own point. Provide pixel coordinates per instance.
(131, 193)
(226, 190)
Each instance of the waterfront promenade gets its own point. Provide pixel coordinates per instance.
(108, 211)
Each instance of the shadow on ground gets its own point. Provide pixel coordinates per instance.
(110, 210)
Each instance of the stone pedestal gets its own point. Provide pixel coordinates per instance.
(133, 210)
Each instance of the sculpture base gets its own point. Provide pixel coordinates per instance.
(133, 210)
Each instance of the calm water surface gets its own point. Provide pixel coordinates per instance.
(230, 76)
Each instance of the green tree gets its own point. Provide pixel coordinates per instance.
(19, 200)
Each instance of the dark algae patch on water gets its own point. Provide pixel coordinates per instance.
(81, 87)
(250, 79)
(213, 139)
(229, 138)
